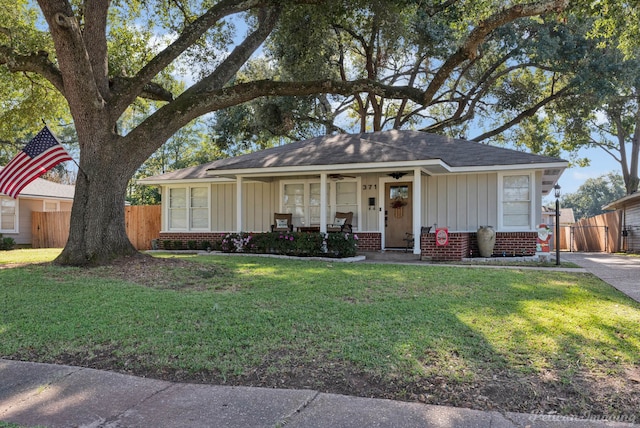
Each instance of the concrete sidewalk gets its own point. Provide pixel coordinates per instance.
(33, 394)
(618, 270)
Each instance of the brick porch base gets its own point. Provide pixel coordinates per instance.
(461, 244)
(465, 244)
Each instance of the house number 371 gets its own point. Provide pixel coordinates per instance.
(369, 186)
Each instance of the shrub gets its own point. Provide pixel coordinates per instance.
(167, 244)
(192, 245)
(235, 242)
(205, 245)
(292, 243)
(6, 243)
(177, 245)
(342, 244)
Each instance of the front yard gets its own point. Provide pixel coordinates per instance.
(507, 339)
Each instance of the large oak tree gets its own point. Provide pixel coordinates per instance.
(77, 63)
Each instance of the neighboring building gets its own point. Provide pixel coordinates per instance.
(39, 195)
(567, 217)
(630, 208)
(394, 182)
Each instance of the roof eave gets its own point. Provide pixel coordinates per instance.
(431, 164)
(622, 202)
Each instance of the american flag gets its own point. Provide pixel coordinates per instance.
(39, 156)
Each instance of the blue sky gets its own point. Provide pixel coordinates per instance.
(601, 163)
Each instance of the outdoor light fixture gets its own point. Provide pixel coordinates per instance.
(397, 175)
(556, 192)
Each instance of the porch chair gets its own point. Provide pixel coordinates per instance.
(282, 222)
(410, 240)
(342, 222)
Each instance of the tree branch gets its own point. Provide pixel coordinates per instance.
(190, 106)
(267, 20)
(95, 39)
(523, 115)
(33, 63)
(469, 48)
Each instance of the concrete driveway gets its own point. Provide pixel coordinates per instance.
(621, 271)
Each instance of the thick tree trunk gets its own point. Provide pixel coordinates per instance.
(97, 234)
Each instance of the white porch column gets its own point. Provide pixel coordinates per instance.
(323, 202)
(417, 209)
(239, 210)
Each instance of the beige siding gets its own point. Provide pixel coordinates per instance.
(223, 207)
(25, 208)
(537, 199)
(259, 200)
(370, 217)
(632, 223)
(261, 197)
(460, 202)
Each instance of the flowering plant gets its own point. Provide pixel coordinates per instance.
(236, 243)
(338, 244)
(341, 244)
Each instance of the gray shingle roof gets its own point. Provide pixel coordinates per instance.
(367, 148)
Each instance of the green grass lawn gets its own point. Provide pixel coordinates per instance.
(518, 340)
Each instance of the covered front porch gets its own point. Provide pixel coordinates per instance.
(385, 205)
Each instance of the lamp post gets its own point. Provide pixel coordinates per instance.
(556, 190)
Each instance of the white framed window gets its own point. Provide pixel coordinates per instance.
(188, 208)
(199, 208)
(515, 201)
(8, 215)
(294, 198)
(302, 199)
(347, 196)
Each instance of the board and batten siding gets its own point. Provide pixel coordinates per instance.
(462, 202)
(223, 207)
(369, 217)
(261, 197)
(632, 222)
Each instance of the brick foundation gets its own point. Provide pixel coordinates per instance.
(461, 244)
(185, 237)
(457, 249)
(465, 244)
(369, 241)
(509, 244)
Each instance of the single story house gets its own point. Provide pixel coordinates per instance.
(40, 195)
(394, 182)
(630, 207)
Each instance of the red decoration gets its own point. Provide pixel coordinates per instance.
(442, 236)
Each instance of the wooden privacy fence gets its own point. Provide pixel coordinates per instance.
(601, 233)
(143, 224)
(51, 229)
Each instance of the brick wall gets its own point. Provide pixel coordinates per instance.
(185, 237)
(457, 249)
(369, 241)
(465, 244)
(509, 244)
